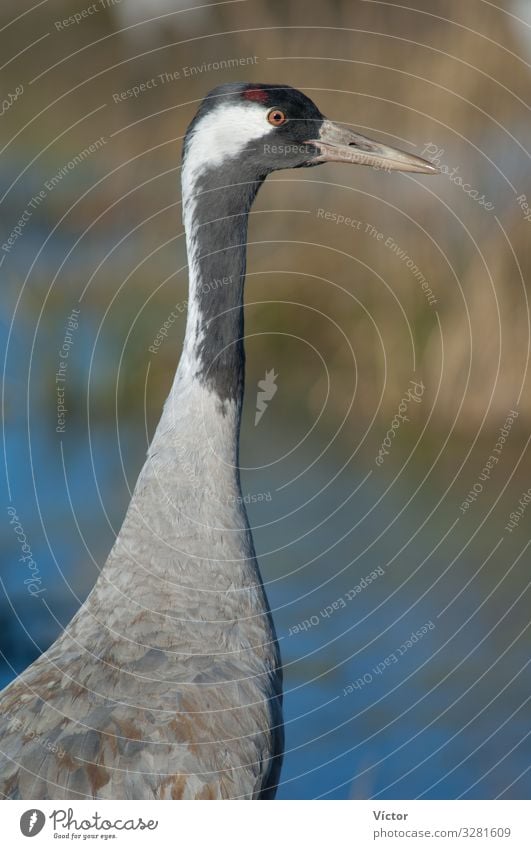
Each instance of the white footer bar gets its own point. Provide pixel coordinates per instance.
(269, 825)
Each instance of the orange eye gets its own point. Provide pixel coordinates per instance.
(276, 117)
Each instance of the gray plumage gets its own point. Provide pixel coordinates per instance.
(167, 683)
(139, 699)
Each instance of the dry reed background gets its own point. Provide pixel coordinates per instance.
(108, 240)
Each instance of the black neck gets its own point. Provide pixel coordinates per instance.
(216, 220)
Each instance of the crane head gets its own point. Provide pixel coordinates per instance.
(270, 127)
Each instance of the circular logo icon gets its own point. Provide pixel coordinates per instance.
(32, 822)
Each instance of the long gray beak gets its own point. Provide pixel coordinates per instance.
(339, 144)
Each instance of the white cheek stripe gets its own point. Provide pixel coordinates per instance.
(221, 134)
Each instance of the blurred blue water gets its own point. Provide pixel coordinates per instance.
(451, 715)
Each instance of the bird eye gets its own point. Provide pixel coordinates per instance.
(276, 117)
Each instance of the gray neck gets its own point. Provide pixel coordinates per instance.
(189, 489)
(198, 434)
